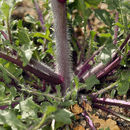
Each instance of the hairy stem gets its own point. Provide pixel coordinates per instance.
(38, 69)
(116, 28)
(63, 64)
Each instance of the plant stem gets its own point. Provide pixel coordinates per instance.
(109, 101)
(63, 62)
(112, 112)
(41, 122)
(89, 121)
(84, 67)
(106, 89)
(4, 34)
(9, 31)
(40, 17)
(38, 69)
(101, 70)
(116, 28)
(109, 68)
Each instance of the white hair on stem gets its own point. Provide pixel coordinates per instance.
(63, 61)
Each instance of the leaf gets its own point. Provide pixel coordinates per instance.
(23, 36)
(123, 87)
(91, 81)
(68, 103)
(10, 118)
(37, 34)
(28, 108)
(93, 3)
(2, 27)
(30, 19)
(50, 109)
(27, 52)
(92, 33)
(1, 128)
(76, 81)
(63, 116)
(107, 35)
(113, 4)
(104, 16)
(2, 88)
(27, 48)
(125, 75)
(120, 25)
(5, 9)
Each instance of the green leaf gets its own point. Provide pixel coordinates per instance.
(107, 128)
(9, 117)
(23, 36)
(28, 108)
(113, 4)
(104, 16)
(2, 88)
(13, 92)
(27, 53)
(92, 33)
(125, 76)
(37, 34)
(1, 128)
(5, 9)
(76, 81)
(50, 109)
(107, 35)
(63, 116)
(120, 25)
(113, 92)
(91, 81)
(30, 19)
(123, 87)
(27, 48)
(93, 3)
(68, 103)
(2, 27)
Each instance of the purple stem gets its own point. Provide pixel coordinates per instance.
(38, 69)
(100, 69)
(89, 120)
(4, 34)
(110, 111)
(40, 16)
(86, 66)
(116, 28)
(109, 101)
(109, 68)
